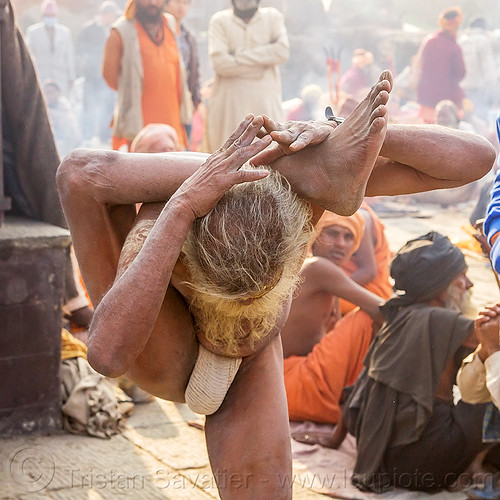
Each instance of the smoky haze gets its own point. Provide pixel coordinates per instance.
(390, 29)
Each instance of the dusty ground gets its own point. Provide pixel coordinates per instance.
(159, 456)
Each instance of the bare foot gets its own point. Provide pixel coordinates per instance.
(334, 173)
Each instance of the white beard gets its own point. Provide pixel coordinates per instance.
(461, 301)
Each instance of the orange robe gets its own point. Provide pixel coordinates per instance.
(380, 285)
(314, 383)
(161, 84)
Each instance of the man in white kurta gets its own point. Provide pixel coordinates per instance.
(51, 46)
(246, 45)
(479, 376)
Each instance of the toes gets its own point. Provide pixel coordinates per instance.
(384, 85)
(386, 76)
(381, 98)
(378, 124)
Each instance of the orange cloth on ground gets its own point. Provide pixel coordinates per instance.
(161, 85)
(314, 383)
(380, 285)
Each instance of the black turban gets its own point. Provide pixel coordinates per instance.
(423, 266)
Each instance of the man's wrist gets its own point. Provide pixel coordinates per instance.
(487, 350)
(482, 353)
(180, 208)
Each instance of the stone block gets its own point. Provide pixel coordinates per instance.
(32, 269)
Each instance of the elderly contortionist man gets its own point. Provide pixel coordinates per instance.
(192, 291)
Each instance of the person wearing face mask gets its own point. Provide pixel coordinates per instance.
(51, 46)
(246, 45)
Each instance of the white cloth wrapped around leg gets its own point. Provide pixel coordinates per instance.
(210, 380)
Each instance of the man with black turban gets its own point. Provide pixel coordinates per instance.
(409, 432)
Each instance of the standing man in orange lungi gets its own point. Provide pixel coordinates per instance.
(142, 62)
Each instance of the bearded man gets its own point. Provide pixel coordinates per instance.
(409, 432)
(143, 63)
(246, 45)
(159, 277)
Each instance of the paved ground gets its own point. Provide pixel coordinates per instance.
(159, 456)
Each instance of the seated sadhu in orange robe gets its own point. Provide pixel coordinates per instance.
(318, 365)
(369, 266)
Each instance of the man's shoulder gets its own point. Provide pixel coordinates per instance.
(221, 16)
(271, 14)
(437, 313)
(122, 22)
(33, 28)
(321, 268)
(314, 261)
(171, 22)
(270, 11)
(62, 28)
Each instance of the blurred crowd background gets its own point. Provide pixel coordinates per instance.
(319, 32)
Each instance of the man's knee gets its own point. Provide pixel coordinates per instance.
(79, 172)
(67, 174)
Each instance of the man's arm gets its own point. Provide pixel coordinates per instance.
(333, 280)
(417, 158)
(112, 59)
(487, 328)
(276, 52)
(471, 380)
(457, 63)
(223, 61)
(70, 57)
(270, 54)
(242, 63)
(413, 158)
(364, 257)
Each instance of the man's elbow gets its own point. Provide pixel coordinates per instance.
(112, 81)
(371, 275)
(68, 175)
(284, 55)
(484, 158)
(106, 362)
(79, 171)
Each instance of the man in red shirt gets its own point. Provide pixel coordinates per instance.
(440, 66)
